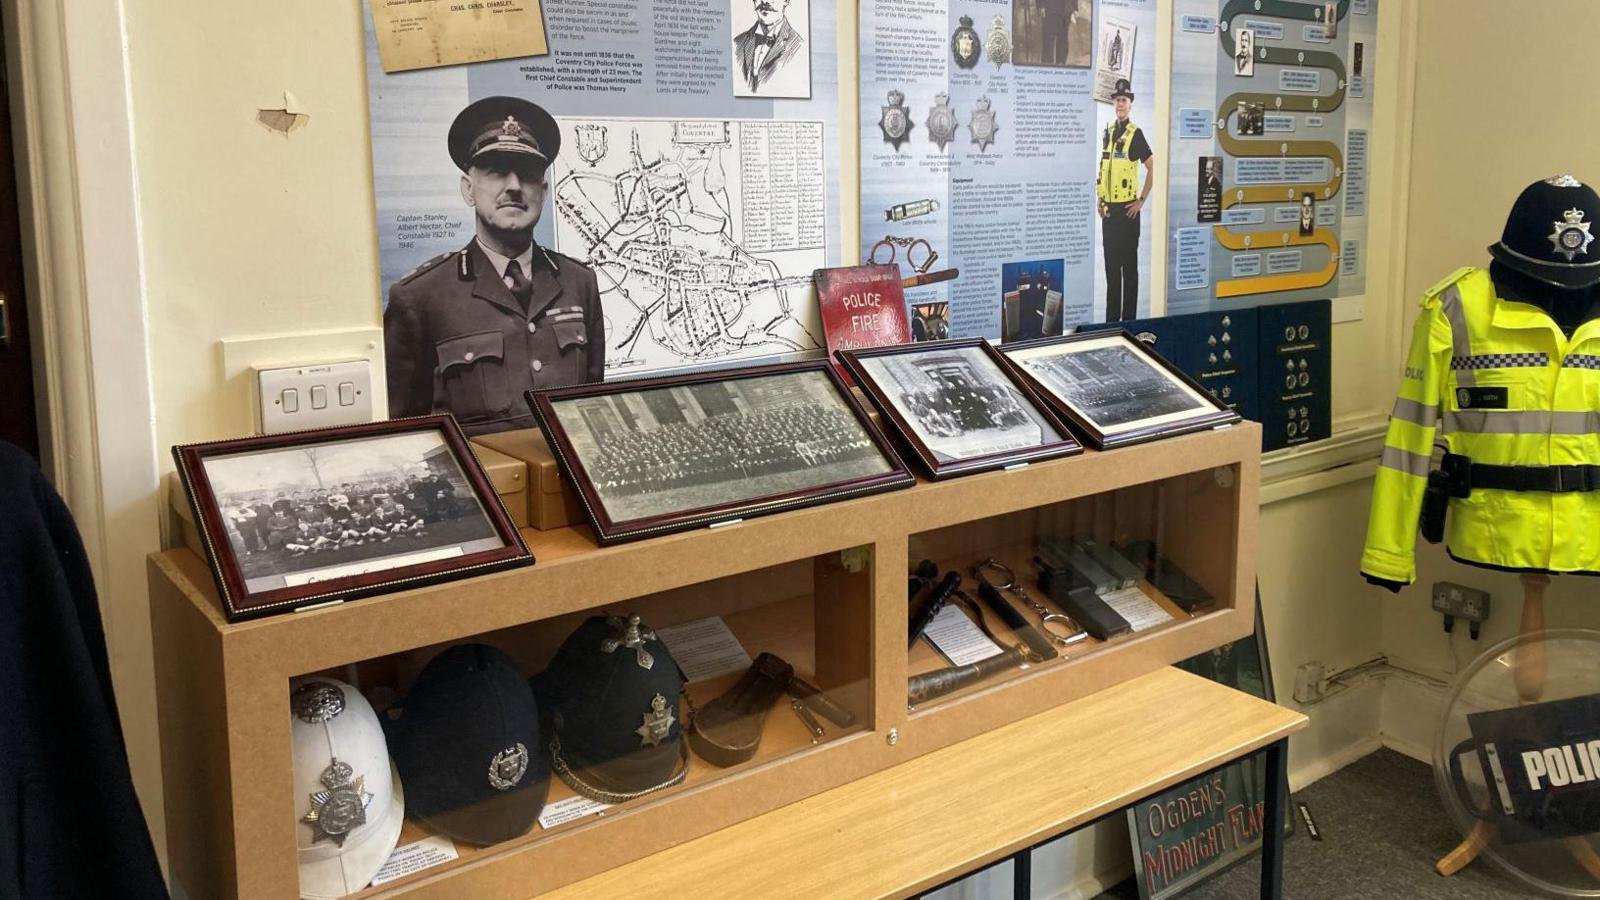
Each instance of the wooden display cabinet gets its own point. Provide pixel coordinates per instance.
(824, 587)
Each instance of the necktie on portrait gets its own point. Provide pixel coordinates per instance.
(521, 287)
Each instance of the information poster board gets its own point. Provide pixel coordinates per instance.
(1197, 829)
(1271, 120)
(698, 173)
(981, 126)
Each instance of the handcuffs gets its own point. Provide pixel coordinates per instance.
(1047, 618)
(911, 245)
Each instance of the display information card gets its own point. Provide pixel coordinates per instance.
(1271, 115)
(982, 125)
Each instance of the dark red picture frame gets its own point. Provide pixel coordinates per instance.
(1218, 416)
(930, 464)
(239, 603)
(608, 531)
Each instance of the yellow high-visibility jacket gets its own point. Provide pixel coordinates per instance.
(1497, 381)
(1118, 181)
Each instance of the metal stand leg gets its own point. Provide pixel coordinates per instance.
(1277, 772)
(1022, 875)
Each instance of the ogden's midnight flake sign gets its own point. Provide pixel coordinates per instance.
(1197, 829)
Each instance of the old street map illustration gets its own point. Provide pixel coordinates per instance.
(703, 235)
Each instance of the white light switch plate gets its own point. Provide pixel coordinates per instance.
(295, 398)
(245, 355)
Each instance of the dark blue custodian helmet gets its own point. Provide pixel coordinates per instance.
(610, 701)
(1547, 235)
(467, 739)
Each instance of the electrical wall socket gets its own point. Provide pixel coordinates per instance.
(295, 398)
(1467, 603)
(1309, 681)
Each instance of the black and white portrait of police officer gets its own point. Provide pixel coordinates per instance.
(770, 55)
(470, 331)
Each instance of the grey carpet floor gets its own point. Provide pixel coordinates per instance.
(1382, 829)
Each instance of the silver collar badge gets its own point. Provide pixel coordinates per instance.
(341, 806)
(1571, 236)
(508, 767)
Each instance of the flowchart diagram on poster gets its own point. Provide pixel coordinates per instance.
(1278, 209)
(703, 235)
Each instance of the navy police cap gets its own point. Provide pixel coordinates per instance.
(1547, 235)
(1123, 88)
(467, 741)
(506, 127)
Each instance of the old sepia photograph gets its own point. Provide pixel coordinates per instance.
(322, 511)
(771, 56)
(674, 449)
(1113, 385)
(955, 402)
(1057, 33)
(344, 511)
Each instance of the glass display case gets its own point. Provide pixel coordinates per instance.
(525, 729)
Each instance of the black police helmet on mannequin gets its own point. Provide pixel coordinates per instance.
(1548, 234)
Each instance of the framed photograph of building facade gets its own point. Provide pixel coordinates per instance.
(957, 407)
(295, 520)
(666, 454)
(1114, 389)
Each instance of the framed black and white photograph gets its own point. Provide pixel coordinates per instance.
(771, 49)
(1115, 389)
(956, 406)
(666, 454)
(299, 519)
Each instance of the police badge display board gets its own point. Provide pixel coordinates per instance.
(726, 116)
(311, 517)
(666, 454)
(1271, 112)
(985, 129)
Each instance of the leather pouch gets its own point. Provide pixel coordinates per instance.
(727, 730)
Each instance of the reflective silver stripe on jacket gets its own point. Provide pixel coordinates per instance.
(1581, 361)
(1415, 412)
(1533, 421)
(1450, 304)
(1406, 462)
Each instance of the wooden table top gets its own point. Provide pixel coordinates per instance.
(919, 824)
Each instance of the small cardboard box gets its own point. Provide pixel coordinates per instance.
(552, 503)
(510, 479)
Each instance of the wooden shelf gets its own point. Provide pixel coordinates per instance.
(915, 825)
(783, 581)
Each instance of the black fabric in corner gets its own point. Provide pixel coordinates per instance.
(70, 824)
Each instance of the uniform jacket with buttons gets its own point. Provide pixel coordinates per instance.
(457, 341)
(1497, 381)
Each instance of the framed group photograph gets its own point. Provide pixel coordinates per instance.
(1115, 389)
(300, 519)
(957, 407)
(666, 454)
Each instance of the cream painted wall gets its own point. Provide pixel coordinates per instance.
(1492, 114)
(246, 231)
